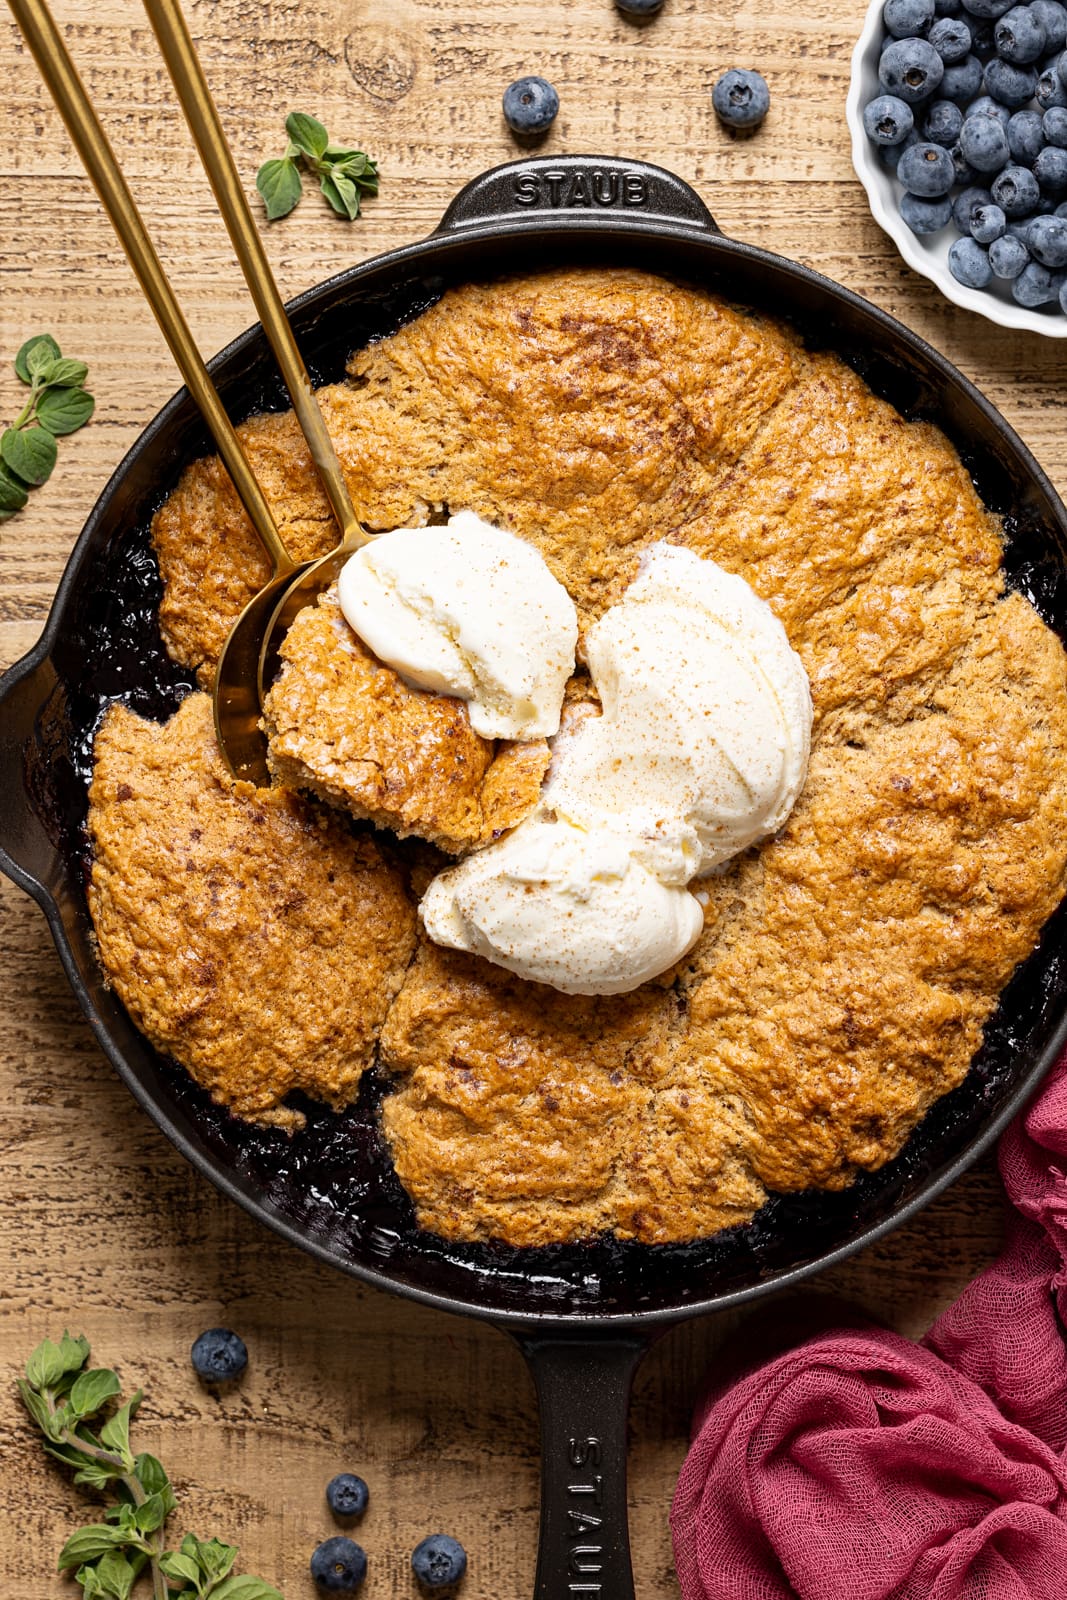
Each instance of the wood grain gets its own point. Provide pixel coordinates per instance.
(102, 1226)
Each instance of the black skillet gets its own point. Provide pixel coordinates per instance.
(583, 1315)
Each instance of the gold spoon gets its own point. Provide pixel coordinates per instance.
(236, 698)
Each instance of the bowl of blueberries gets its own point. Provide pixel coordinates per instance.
(958, 116)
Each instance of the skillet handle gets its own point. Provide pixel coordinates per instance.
(27, 854)
(580, 191)
(583, 1391)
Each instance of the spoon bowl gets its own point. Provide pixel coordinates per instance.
(237, 691)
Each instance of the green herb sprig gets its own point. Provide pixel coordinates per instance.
(64, 1395)
(343, 174)
(58, 404)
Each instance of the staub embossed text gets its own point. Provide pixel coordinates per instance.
(599, 186)
(584, 1520)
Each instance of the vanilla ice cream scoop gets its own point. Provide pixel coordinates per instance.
(563, 906)
(702, 746)
(700, 749)
(467, 610)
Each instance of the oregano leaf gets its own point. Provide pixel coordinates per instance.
(308, 134)
(65, 410)
(115, 1576)
(115, 1434)
(215, 1558)
(243, 1586)
(46, 1365)
(181, 1568)
(94, 1474)
(152, 1514)
(40, 342)
(74, 1352)
(91, 1389)
(30, 453)
(150, 1474)
(87, 1543)
(64, 373)
(342, 194)
(279, 184)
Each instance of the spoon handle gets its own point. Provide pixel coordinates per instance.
(183, 64)
(91, 142)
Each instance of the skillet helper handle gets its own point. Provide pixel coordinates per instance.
(27, 854)
(591, 190)
(583, 1392)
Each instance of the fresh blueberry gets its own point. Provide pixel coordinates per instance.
(1050, 91)
(887, 119)
(962, 81)
(742, 99)
(1008, 256)
(1013, 86)
(439, 1561)
(906, 18)
(942, 123)
(1035, 286)
(1019, 36)
(1059, 66)
(219, 1355)
(338, 1565)
(969, 264)
(987, 223)
(951, 38)
(927, 171)
(1054, 126)
(1053, 18)
(1050, 168)
(984, 144)
(1015, 190)
(1025, 137)
(639, 8)
(911, 69)
(1063, 297)
(925, 216)
(965, 205)
(1047, 239)
(984, 106)
(347, 1495)
(1061, 210)
(987, 8)
(530, 105)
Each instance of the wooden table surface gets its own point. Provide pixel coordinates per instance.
(103, 1227)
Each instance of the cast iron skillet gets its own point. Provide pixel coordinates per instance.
(583, 1315)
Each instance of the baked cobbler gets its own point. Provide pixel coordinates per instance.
(846, 966)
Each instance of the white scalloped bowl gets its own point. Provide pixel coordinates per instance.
(927, 254)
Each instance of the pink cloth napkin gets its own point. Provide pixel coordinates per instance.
(861, 1466)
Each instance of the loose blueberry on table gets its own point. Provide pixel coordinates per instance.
(338, 1566)
(439, 1561)
(219, 1355)
(530, 105)
(741, 98)
(971, 115)
(347, 1496)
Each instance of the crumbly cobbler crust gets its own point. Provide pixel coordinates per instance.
(847, 967)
